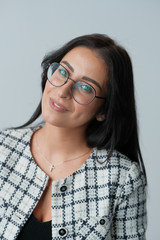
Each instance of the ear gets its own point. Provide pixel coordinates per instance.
(100, 117)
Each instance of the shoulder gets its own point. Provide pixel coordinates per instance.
(14, 142)
(122, 171)
(117, 160)
(13, 135)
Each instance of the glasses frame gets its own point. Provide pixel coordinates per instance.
(68, 78)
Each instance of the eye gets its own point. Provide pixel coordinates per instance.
(83, 87)
(86, 88)
(63, 72)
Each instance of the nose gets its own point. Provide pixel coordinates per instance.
(65, 91)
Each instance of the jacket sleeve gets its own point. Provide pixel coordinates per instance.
(130, 219)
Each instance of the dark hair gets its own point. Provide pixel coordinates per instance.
(119, 130)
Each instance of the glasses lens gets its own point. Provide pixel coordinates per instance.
(57, 74)
(83, 93)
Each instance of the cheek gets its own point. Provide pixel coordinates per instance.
(44, 97)
(48, 88)
(87, 113)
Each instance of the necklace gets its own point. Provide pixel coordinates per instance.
(51, 165)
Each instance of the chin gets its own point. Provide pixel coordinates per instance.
(53, 121)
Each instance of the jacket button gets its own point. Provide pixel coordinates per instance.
(63, 188)
(102, 221)
(63, 232)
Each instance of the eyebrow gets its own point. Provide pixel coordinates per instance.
(68, 65)
(92, 81)
(84, 77)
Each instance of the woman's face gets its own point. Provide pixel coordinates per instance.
(58, 106)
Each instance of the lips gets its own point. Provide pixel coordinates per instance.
(57, 106)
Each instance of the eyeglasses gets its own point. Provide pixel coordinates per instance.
(82, 92)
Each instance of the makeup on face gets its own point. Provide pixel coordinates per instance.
(55, 105)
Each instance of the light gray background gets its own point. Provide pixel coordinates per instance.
(29, 29)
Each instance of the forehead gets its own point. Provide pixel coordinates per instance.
(87, 62)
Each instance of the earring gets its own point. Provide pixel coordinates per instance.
(100, 119)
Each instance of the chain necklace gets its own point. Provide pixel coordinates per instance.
(51, 165)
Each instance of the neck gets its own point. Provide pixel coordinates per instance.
(62, 142)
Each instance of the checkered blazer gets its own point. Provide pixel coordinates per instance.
(99, 201)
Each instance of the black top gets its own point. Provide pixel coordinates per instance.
(35, 230)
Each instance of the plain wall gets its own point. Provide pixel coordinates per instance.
(29, 29)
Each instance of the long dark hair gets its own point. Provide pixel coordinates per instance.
(119, 130)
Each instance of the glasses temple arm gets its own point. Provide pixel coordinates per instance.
(100, 97)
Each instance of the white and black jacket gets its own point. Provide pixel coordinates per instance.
(98, 201)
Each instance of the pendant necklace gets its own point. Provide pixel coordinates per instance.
(51, 165)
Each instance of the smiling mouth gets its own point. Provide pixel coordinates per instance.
(56, 106)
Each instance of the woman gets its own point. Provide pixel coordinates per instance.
(80, 174)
